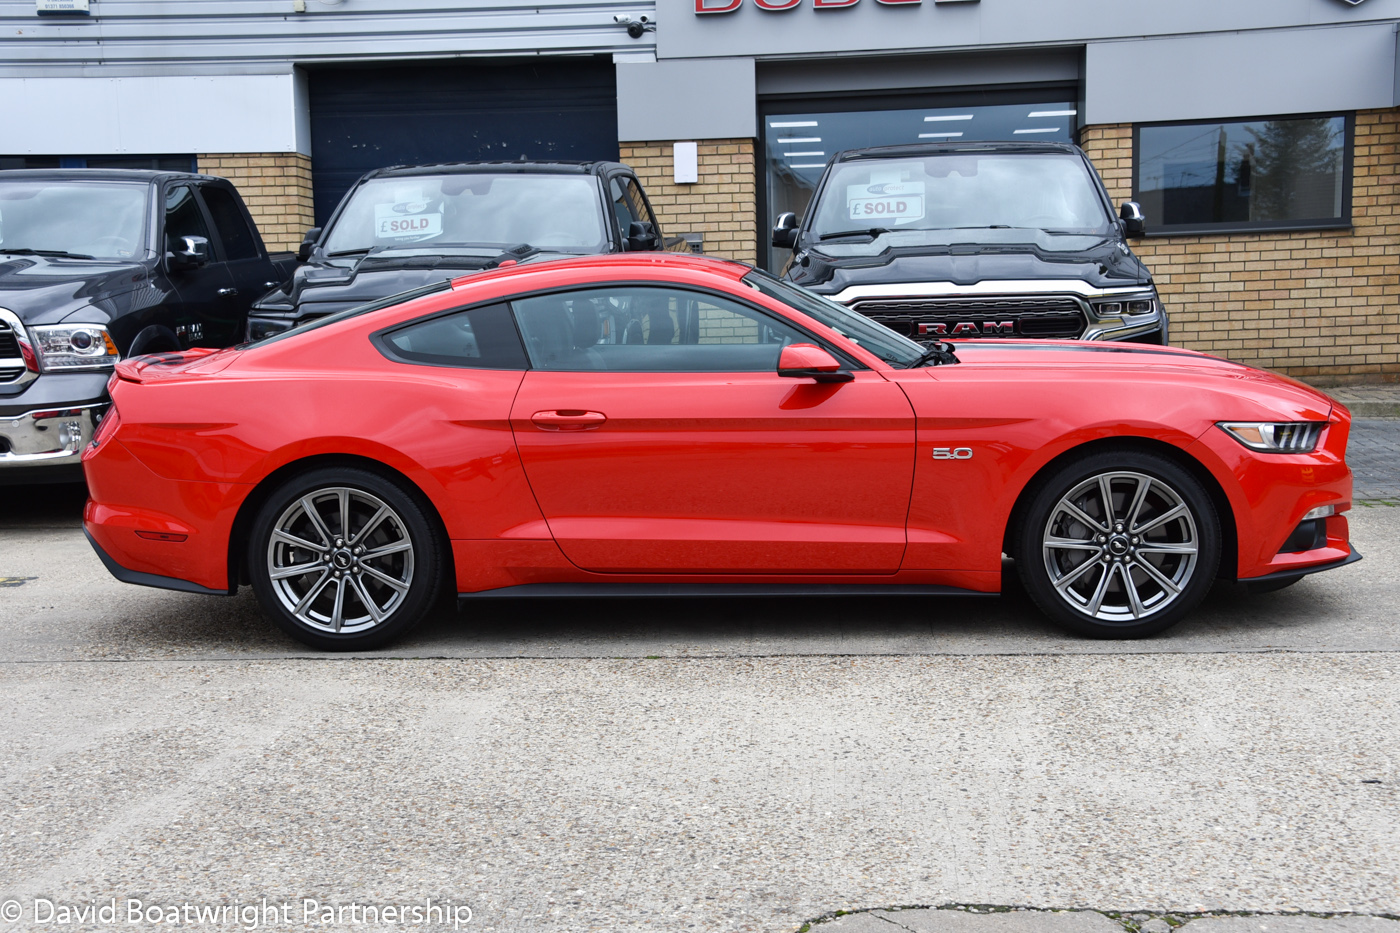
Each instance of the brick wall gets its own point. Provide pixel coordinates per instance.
(277, 189)
(720, 205)
(1322, 305)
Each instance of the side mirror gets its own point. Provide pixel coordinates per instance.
(641, 236)
(308, 243)
(785, 231)
(809, 361)
(1134, 223)
(194, 253)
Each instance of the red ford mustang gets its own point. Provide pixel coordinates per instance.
(675, 425)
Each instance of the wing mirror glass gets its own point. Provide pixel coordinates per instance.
(308, 243)
(1134, 222)
(193, 253)
(809, 361)
(641, 236)
(785, 231)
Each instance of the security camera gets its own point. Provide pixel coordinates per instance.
(622, 19)
(635, 30)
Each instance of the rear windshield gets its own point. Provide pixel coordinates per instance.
(963, 191)
(562, 213)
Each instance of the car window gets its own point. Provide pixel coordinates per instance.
(622, 209)
(182, 217)
(228, 220)
(639, 201)
(645, 329)
(480, 338)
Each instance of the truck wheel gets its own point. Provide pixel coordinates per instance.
(1119, 544)
(343, 559)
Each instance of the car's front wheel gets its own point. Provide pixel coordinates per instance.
(344, 559)
(1118, 544)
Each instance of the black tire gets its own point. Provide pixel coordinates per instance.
(359, 592)
(1074, 567)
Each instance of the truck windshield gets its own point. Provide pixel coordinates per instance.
(562, 213)
(893, 348)
(961, 191)
(92, 220)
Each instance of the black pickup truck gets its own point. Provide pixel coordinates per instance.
(402, 227)
(100, 264)
(976, 240)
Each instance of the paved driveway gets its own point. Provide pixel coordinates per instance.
(707, 765)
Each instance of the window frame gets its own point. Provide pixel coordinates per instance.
(216, 244)
(1343, 222)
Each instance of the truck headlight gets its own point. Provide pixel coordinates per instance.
(1133, 303)
(1285, 437)
(66, 348)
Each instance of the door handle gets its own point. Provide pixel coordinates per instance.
(227, 292)
(568, 419)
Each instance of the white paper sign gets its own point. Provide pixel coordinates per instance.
(404, 220)
(897, 200)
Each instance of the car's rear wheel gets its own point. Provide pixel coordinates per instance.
(1118, 544)
(344, 559)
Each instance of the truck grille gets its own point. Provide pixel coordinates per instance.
(1036, 317)
(11, 361)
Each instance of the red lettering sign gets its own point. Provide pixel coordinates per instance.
(717, 6)
(832, 4)
(897, 2)
(778, 6)
(774, 6)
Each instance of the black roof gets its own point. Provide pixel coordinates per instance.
(524, 165)
(931, 149)
(99, 174)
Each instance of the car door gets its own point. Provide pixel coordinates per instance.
(249, 270)
(204, 313)
(658, 437)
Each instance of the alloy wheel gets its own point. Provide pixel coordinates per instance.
(1120, 547)
(340, 560)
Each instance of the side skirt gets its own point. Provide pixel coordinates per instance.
(663, 590)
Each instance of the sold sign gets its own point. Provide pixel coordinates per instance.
(778, 6)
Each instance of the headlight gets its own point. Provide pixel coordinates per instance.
(65, 348)
(1287, 437)
(1145, 302)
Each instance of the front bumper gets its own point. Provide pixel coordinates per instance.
(45, 428)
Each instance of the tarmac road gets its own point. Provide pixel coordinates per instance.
(706, 765)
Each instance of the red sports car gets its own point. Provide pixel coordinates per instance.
(676, 425)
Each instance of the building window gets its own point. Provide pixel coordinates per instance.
(1274, 173)
(799, 143)
(164, 163)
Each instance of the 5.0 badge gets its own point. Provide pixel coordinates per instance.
(952, 453)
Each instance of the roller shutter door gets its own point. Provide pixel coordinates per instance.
(366, 118)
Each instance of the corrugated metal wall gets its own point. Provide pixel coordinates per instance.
(161, 34)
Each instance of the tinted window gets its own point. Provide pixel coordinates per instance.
(182, 217)
(621, 208)
(854, 326)
(629, 328)
(228, 219)
(482, 338)
(639, 201)
(1261, 173)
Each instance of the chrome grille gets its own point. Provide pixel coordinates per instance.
(12, 367)
(1051, 316)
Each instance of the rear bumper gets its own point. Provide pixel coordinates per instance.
(148, 579)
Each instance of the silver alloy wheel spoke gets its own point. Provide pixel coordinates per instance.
(1073, 542)
(1160, 520)
(280, 535)
(1082, 517)
(367, 525)
(297, 570)
(386, 579)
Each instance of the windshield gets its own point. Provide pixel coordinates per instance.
(960, 191)
(88, 219)
(557, 212)
(893, 348)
